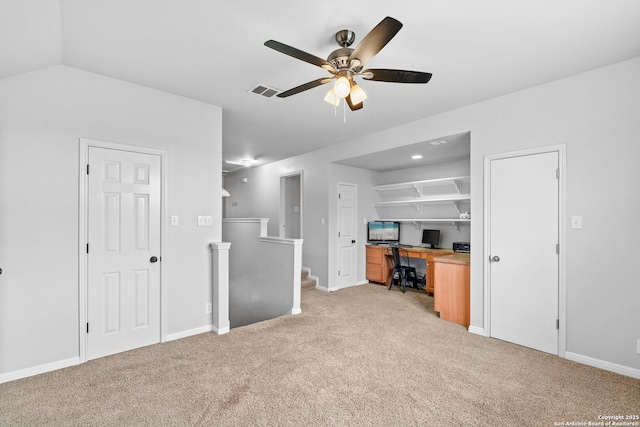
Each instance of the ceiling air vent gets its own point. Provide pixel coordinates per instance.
(265, 92)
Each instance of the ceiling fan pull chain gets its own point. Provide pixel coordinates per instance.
(344, 112)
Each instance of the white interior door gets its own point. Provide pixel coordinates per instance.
(347, 233)
(523, 253)
(123, 266)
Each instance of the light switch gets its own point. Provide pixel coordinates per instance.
(174, 220)
(576, 222)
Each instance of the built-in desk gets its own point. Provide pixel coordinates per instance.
(379, 266)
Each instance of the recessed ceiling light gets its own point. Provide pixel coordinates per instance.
(416, 156)
(444, 142)
(434, 143)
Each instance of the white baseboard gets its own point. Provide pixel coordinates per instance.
(190, 332)
(477, 330)
(603, 364)
(220, 331)
(294, 311)
(40, 369)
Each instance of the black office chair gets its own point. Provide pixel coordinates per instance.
(402, 273)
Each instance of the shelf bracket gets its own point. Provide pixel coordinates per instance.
(456, 203)
(417, 224)
(456, 225)
(418, 208)
(415, 187)
(458, 185)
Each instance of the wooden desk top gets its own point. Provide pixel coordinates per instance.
(456, 258)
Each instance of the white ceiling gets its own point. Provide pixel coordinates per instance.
(213, 51)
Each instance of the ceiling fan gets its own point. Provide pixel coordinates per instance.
(346, 63)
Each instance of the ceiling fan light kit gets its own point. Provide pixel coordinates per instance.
(346, 63)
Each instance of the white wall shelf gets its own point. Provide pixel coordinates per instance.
(455, 181)
(456, 222)
(425, 200)
(454, 196)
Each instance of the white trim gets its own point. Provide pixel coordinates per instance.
(220, 331)
(189, 333)
(603, 364)
(294, 311)
(37, 370)
(85, 144)
(562, 272)
(247, 220)
(478, 331)
(280, 240)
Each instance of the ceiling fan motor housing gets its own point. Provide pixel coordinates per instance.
(339, 58)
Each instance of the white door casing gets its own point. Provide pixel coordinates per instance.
(347, 234)
(524, 235)
(122, 291)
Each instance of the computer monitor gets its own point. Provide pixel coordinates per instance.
(431, 238)
(383, 232)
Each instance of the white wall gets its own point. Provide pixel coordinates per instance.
(596, 115)
(42, 116)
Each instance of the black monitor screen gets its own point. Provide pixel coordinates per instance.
(431, 237)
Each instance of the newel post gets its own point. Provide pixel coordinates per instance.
(220, 291)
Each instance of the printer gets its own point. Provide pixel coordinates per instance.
(461, 247)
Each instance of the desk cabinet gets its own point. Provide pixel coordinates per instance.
(376, 264)
(451, 294)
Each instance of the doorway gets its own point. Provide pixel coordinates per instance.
(524, 248)
(291, 196)
(347, 233)
(121, 200)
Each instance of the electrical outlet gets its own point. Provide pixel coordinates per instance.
(205, 221)
(207, 308)
(174, 220)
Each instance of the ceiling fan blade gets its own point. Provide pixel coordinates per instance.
(298, 54)
(303, 87)
(352, 106)
(377, 38)
(396, 76)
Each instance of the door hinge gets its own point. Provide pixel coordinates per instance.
(87, 327)
(558, 173)
(87, 248)
(557, 248)
(558, 324)
(87, 169)
(338, 272)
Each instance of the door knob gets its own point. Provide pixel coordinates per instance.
(353, 241)
(153, 259)
(495, 258)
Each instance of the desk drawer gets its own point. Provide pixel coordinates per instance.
(375, 273)
(375, 255)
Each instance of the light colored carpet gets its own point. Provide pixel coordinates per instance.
(362, 356)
